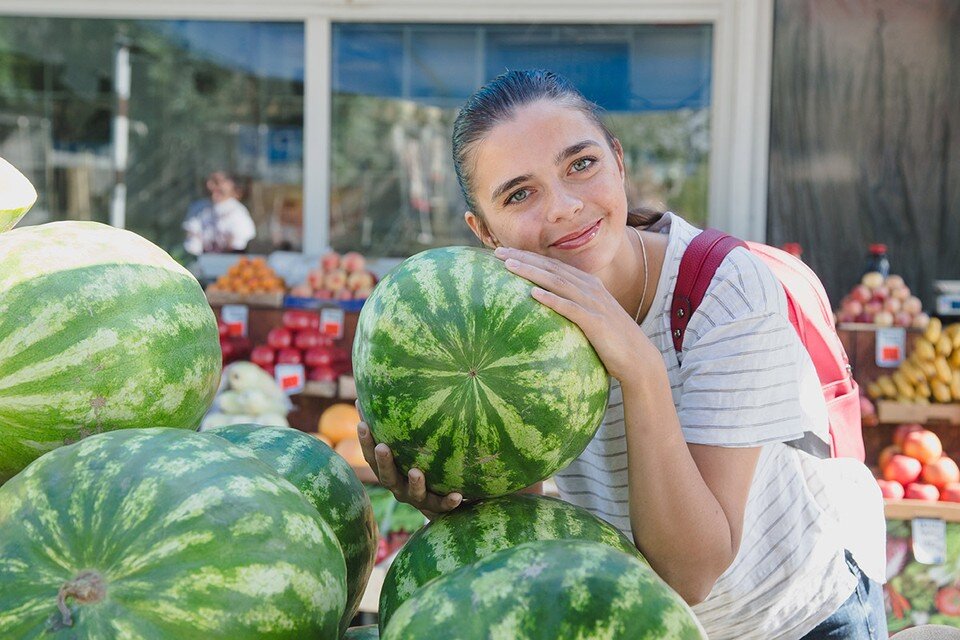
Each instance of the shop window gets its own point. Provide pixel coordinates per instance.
(397, 88)
(204, 96)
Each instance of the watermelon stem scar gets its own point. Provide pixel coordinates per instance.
(87, 588)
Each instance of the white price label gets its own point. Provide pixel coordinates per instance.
(929, 540)
(291, 378)
(331, 322)
(891, 345)
(236, 317)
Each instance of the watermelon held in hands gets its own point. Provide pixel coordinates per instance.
(479, 529)
(546, 590)
(329, 484)
(468, 378)
(100, 329)
(164, 533)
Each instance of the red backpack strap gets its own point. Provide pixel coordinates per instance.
(697, 268)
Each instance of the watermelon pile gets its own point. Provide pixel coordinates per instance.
(118, 519)
(468, 378)
(546, 590)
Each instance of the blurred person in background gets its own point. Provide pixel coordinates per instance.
(220, 223)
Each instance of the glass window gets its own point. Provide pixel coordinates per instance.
(205, 96)
(397, 88)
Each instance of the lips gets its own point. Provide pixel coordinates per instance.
(577, 238)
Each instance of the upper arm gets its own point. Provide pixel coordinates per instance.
(536, 488)
(728, 473)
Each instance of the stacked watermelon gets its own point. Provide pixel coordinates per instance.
(468, 378)
(526, 567)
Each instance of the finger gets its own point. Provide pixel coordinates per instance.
(551, 281)
(416, 487)
(543, 262)
(356, 403)
(565, 307)
(367, 445)
(388, 473)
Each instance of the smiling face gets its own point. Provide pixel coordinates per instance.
(547, 181)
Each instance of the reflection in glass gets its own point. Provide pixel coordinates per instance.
(204, 96)
(397, 88)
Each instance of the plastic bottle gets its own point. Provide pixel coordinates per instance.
(877, 260)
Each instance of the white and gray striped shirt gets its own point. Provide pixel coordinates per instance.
(745, 380)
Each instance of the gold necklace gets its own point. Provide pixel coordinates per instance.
(643, 296)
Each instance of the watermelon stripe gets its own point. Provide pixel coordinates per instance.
(176, 550)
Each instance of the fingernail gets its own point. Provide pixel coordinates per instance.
(381, 449)
(457, 498)
(500, 251)
(511, 263)
(362, 431)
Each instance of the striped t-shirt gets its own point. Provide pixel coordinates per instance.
(745, 380)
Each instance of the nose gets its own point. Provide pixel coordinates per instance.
(564, 205)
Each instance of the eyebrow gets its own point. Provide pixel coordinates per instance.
(572, 150)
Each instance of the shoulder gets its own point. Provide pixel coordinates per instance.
(743, 286)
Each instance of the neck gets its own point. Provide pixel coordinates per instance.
(625, 275)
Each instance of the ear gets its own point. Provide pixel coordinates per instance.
(479, 228)
(618, 152)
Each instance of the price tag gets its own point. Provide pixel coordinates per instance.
(291, 378)
(891, 345)
(929, 540)
(331, 322)
(236, 317)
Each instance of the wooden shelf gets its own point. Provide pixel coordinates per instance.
(891, 412)
(908, 509)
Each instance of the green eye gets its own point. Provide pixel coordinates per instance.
(582, 164)
(518, 196)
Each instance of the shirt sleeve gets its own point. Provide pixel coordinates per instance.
(741, 373)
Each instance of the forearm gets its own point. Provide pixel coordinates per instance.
(677, 521)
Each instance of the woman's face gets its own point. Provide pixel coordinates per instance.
(547, 181)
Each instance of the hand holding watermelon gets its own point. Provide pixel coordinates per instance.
(413, 488)
(583, 299)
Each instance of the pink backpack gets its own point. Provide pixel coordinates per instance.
(809, 311)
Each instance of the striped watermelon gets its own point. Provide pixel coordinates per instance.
(479, 529)
(99, 329)
(17, 195)
(163, 533)
(544, 591)
(368, 632)
(467, 377)
(330, 485)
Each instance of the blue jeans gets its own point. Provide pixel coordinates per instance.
(861, 617)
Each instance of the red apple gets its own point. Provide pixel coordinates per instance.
(886, 453)
(269, 369)
(902, 430)
(951, 492)
(362, 293)
(853, 307)
(880, 294)
(923, 445)
(861, 293)
(360, 280)
(893, 305)
(322, 374)
(222, 328)
(319, 357)
(873, 279)
(279, 338)
(307, 339)
(901, 294)
(873, 307)
(353, 262)
(903, 469)
(894, 281)
(335, 280)
(891, 489)
(941, 472)
(302, 290)
(344, 294)
(902, 319)
(296, 319)
(289, 356)
(263, 355)
(323, 294)
(228, 350)
(315, 278)
(330, 261)
(920, 321)
(921, 491)
(883, 318)
(912, 305)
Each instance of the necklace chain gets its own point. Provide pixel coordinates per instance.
(643, 296)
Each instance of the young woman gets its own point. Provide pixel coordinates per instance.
(694, 458)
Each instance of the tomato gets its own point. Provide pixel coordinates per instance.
(948, 601)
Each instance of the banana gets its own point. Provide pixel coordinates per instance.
(944, 345)
(903, 385)
(955, 386)
(941, 392)
(887, 387)
(923, 389)
(874, 392)
(924, 349)
(932, 332)
(913, 372)
(944, 374)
